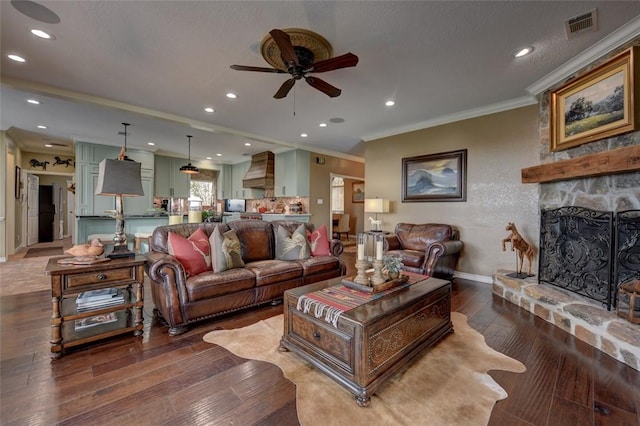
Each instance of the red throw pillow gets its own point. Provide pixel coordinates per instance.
(319, 242)
(194, 253)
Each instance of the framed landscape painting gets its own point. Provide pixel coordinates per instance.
(435, 177)
(357, 192)
(598, 105)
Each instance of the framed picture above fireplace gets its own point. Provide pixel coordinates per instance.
(597, 105)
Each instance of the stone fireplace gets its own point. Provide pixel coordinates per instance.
(580, 269)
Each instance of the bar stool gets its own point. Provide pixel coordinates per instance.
(141, 237)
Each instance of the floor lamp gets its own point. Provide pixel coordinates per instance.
(120, 178)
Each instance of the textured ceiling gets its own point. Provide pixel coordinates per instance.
(157, 64)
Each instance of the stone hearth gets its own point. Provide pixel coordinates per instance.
(587, 320)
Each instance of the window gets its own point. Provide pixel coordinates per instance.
(337, 195)
(203, 187)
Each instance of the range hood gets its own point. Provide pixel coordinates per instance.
(261, 171)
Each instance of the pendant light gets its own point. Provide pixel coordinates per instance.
(189, 169)
(125, 142)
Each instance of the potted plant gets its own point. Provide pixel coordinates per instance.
(393, 266)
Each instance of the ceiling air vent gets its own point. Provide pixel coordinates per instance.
(585, 22)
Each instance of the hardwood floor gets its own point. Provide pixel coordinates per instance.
(157, 379)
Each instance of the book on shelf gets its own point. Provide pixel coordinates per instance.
(101, 294)
(97, 299)
(95, 320)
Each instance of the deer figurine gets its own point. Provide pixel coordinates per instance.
(518, 243)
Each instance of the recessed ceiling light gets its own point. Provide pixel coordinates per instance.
(33, 101)
(16, 58)
(208, 158)
(323, 124)
(247, 144)
(151, 144)
(523, 52)
(48, 145)
(303, 135)
(42, 34)
(231, 95)
(41, 126)
(218, 155)
(209, 109)
(390, 103)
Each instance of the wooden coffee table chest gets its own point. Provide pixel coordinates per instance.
(372, 342)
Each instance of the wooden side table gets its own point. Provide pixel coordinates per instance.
(71, 326)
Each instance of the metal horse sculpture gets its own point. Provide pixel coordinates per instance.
(65, 163)
(518, 243)
(35, 163)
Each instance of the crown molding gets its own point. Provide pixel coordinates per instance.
(622, 35)
(458, 116)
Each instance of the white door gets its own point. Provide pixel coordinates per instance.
(32, 208)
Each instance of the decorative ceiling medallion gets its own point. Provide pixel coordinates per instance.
(317, 44)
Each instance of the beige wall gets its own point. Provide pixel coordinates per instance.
(499, 146)
(320, 184)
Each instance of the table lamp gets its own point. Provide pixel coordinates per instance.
(376, 205)
(120, 178)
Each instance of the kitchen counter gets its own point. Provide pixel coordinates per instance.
(300, 217)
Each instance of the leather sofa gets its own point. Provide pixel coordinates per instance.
(182, 300)
(430, 249)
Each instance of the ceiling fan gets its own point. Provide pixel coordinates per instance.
(298, 60)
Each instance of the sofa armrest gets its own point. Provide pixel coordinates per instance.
(336, 247)
(168, 280)
(393, 243)
(441, 258)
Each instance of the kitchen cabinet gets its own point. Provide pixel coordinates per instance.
(238, 172)
(169, 181)
(292, 173)
(86, 176)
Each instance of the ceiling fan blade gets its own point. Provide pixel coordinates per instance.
(284, 89)
(283, 41)
(260, 69)
(343, 61)
(323, 86)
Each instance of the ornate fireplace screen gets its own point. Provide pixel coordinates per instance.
(627, 266)
(587, 252)
(576, 251)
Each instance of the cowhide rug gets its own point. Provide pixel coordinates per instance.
(447, 385)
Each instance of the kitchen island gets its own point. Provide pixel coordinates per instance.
(87, 225)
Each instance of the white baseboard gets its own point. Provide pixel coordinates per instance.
(473, 277)
(3, 259)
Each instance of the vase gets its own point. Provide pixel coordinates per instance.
(393, 274)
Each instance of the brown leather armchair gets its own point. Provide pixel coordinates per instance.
(431, 248)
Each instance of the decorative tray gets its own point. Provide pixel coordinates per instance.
(82, 260)
(389, 284)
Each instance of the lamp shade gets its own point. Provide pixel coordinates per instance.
(119, 177)
(376, 205)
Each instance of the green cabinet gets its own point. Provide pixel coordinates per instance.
(292, 173)
(169, 181)
(88, 157)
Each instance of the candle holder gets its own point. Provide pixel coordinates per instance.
(361, 276)
(377, 277)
